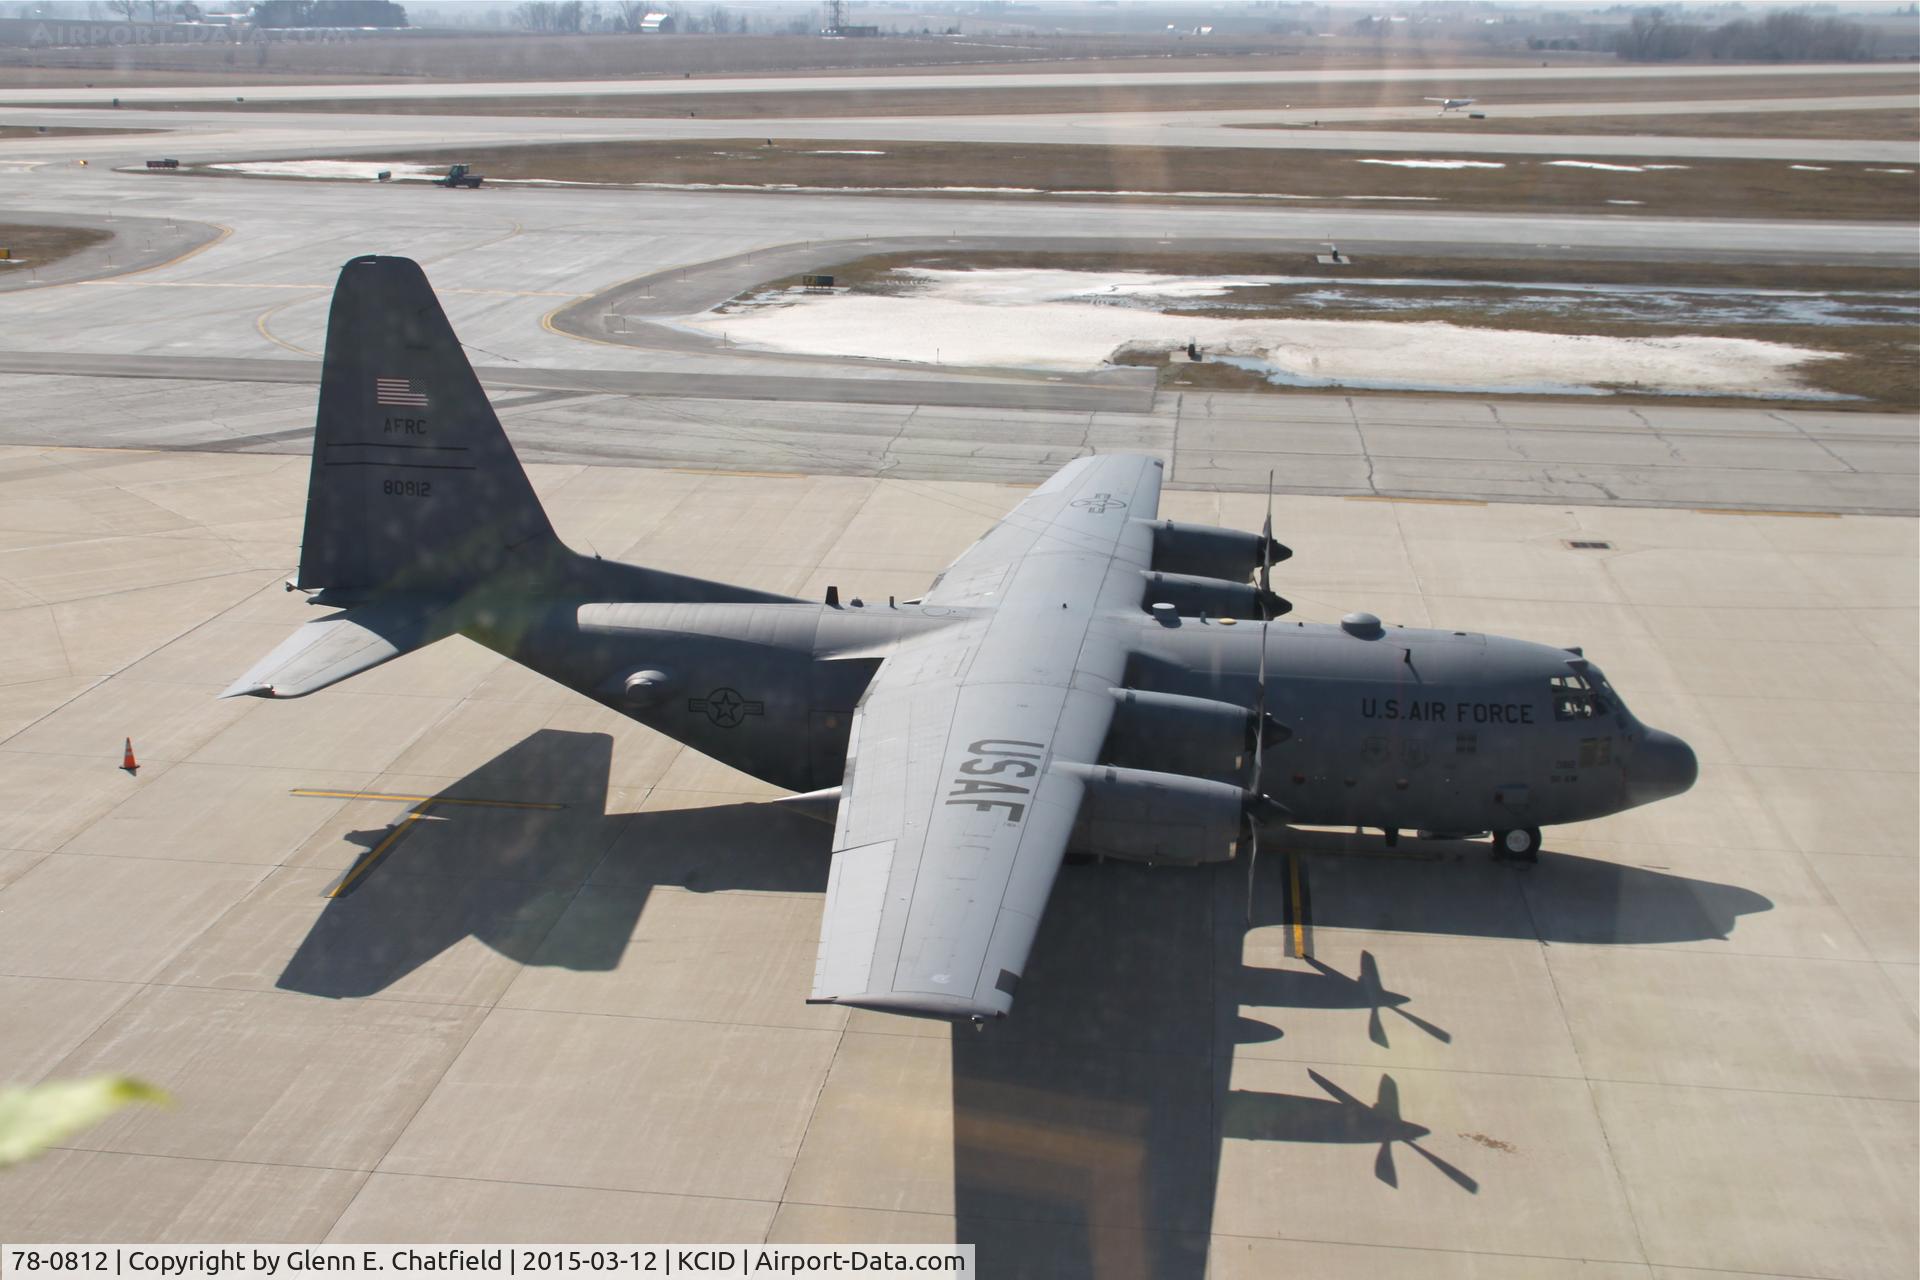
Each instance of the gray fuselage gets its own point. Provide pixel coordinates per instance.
(1395, 728)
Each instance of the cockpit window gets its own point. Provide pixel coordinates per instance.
(1576, 698)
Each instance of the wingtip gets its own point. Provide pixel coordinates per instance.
(249, 689)
(946, 1008)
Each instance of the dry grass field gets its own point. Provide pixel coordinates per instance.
(871, 273)
(1698, 188)
(1014, 99)
(36, 245)
(55, 131)
(1891, 125)
(436, 56)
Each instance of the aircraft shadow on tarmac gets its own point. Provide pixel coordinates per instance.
(1088, 1127)
(505, 876)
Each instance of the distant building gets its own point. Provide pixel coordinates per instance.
(657, 24)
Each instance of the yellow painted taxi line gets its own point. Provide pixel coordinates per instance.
(387, 795)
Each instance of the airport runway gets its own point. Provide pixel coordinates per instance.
(1685, 1043)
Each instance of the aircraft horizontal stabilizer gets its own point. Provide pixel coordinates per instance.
(328, 650)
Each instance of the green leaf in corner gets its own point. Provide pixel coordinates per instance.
(37, 1116)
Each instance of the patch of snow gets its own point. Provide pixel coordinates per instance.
(1439, 164)
(355, 170)
(843, 153)
(1596, 164)
(1810, 168)
(1052, 320)
(1016, 288)
(1188, 195)
(1426, 198)
(1654, 168)
(1889, 171)
(1626, 202)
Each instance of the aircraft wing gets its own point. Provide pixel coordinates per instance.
(1111, 488)
(953, 819)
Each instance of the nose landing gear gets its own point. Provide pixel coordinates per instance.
(1522, 844)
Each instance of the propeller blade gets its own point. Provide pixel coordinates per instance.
(1253, 859)
(1388, 1104)
(1375, 1031)
(1383, 1166)
(1444, 1037)
(1266, 542)
(1260, 712)
(1255, 796)
(1460, 1179)
(1338, 1094)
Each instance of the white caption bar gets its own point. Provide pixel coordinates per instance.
(213, 1261)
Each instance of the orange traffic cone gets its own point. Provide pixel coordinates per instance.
(127, 761)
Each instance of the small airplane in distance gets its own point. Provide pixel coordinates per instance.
(1453, 104)
(1087, 677)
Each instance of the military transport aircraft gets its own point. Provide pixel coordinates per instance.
(1087, 677)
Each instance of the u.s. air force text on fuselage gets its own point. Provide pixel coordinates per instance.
(1434, 711)
(1084, 677)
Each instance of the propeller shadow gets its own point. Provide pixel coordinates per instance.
(1338, 1117)
(1327, 988)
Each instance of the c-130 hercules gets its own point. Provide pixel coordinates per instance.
(1086, 677)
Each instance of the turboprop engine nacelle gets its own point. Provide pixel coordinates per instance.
(1209, 551)
(1214, 597)
(1178, 734)
(1140, 816)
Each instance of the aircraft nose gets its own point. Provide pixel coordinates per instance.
(1663, 766)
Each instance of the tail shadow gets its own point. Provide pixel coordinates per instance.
(468, 867)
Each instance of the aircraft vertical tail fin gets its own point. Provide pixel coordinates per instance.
(414, 487)
(420, 520)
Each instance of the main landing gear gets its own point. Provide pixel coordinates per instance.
(1522, 844)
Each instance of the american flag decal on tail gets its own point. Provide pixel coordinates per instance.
(398, 391)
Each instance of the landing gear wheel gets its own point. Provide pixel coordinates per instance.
(1522, 844)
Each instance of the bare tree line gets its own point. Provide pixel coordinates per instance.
(1788, 36)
